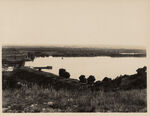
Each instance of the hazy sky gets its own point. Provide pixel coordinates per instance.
(44, 22)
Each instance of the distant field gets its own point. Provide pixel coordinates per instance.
(37, 99)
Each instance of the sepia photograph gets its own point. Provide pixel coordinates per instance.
(71, 56)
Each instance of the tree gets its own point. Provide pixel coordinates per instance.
(61, 72)
(141, 70)
(91, 79)
(106, 79)
(82, 79)
(97, 85)
(64, 73)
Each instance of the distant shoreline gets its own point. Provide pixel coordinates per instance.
(72, 52)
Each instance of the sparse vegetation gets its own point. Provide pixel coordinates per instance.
(37, 99)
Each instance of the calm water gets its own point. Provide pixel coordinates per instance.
(100, 67)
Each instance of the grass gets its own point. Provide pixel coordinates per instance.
(38, 99)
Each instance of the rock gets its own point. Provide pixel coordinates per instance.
(71, 100)
(43, 109)
(5, 109)
(50, 103)
(32, 105)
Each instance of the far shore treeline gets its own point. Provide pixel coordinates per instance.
(74, 51)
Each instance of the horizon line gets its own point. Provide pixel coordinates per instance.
(78, 46)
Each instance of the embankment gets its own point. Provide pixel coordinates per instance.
(28, 77)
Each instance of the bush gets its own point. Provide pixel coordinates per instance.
(106, 79)
(61, 72)
(91, 79)
(64, 73)
(98, 85)
(82, 79)
(141, 70)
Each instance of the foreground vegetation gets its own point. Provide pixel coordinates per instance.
(37, 99)
(29, 90)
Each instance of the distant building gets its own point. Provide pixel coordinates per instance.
(13, 58)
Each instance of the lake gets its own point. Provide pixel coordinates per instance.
(100, 67)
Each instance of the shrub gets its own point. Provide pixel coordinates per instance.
(64, 73)
(98, 85)
(106, 79)
(91, 79)
(82, 79)
(141, 70)
(61, 72)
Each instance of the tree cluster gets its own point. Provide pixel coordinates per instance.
(122, 82)
(90, 80)
(64, 73)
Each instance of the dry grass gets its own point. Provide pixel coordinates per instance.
(37, 99)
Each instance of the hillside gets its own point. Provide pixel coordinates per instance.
(30, 90)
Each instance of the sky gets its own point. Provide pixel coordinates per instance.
(75, 22)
